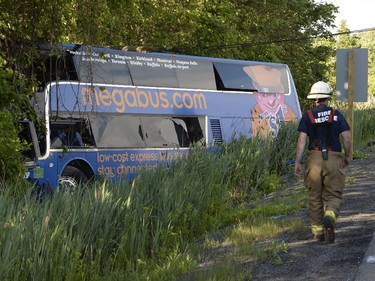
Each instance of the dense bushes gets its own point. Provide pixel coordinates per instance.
(11, 159)
(12, 106)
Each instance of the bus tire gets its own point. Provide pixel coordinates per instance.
(71, 178)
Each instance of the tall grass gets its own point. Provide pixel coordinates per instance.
(142, 230)
(256, 164)
(92, 233)
(364, 126)
(363, 121)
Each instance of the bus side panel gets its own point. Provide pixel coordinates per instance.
(50, 169)
(46, 171)
(117, 165)
(235, 128)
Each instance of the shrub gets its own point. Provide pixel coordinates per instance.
(11, 157)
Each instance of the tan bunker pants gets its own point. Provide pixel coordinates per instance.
(325, 181)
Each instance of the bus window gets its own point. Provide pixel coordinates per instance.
(98, 68)
(111, 131)
(121, 68)
(173, 131)
(195, 128)
(199, 75)
(268, 79)
(55, 68)
(164, 132)
(254, 77)
(181, 132)
(232, 77)
(153, 76)
(72, 134)
(134, 131)
(172, 72)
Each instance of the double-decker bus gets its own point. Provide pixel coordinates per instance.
(114, 113)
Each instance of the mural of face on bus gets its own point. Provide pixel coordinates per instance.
(270, 109)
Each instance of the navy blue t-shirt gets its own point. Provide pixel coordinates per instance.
(320, 135)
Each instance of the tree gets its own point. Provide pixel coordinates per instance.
(284, 31)
(346, 40)
(11, 103)
(367, 40)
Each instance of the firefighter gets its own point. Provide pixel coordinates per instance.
(323, 175)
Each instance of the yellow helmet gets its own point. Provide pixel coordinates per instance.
(320, 90)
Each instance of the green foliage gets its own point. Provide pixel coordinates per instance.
(14, 95)
(11, 158)
(367, 40)
(279, 30)
(364, 129)
(345, 41)
(257, 30)
(357, 154)
(6, 74)
(278, 206)
(364, 118)
(12, 105)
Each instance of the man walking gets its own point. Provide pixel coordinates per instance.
(323, 174)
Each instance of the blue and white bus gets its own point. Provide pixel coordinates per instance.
(113, 113)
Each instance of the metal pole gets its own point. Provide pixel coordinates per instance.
(351, 98)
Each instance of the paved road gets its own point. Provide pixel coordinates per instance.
(366, 271)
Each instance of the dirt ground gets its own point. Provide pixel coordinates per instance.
(310, 260)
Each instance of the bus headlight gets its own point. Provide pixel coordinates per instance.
(26, 175)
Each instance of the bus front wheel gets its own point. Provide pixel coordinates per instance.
(71, 178)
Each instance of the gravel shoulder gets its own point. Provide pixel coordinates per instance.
(310, 260)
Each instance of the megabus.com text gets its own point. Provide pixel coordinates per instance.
(122, 98)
